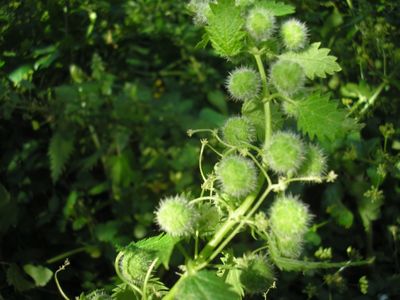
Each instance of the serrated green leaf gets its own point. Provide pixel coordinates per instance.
(60, 148)
(224, 28)
(205, 285)
(319, 117)
(205, 39)
(162, 244)
(278, 8)
(124, 292)
(315, 61)
(41, 275)
(15, 277)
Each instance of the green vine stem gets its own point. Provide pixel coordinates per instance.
(267, 106)
(61, 268)
(224, 230)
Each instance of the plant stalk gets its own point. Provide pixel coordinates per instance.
(267, 106)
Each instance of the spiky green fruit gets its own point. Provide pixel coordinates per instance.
(290, 108)
(201, 10)
(260, 23)
(294, 34)
(238, 131)
(243, 84)
(132, 264)
(208, 219)
(289, 221)
(177, 216)
(256, 273)
(237, 175)
(284, 152)
(314, 164)
(287, 76)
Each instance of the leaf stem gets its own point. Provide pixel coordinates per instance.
(240, 225)
(373, 98)
(61, 268)
(219, 236)
(261, 168)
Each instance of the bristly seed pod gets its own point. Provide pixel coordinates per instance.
(314, 164)
(284, 153)
(289, 221)
(260, 23)
(132, 264)
(238, 131)
(294, 34)
(237, 175)
(177, 216)
(201, 10)
(256, 275)
(208, 219)
(243, 84)
(288, 77)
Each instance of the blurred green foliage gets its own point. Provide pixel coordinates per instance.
(95, 101)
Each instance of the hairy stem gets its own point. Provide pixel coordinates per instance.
(219, 236)
(267, 106)
(240, 225)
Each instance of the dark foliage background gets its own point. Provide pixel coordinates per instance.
(95, 101)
